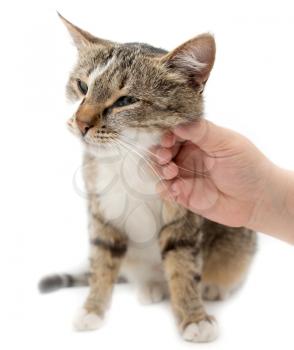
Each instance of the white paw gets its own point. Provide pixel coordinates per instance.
(203, 331)
(151, 293)
(85, 321)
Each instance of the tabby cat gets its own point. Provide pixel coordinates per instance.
(130, 94)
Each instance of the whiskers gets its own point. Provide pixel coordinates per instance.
(139, 151)
(153, 155)
(134, 150)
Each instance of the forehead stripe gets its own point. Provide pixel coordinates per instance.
(100, 70)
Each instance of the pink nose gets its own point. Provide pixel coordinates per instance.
(83, 126)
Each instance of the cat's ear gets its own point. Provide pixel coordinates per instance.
(81, 38)
(194, 58)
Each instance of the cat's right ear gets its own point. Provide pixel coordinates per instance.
(81, 38)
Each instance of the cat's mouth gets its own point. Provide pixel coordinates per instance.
(131, 139)
(92, 135)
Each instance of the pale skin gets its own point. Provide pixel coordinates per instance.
(221, 175)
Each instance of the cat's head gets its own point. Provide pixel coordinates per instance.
(135, 87)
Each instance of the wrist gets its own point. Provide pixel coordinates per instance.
(274, 211)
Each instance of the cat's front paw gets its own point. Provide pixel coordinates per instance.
(151, 293)
(205, 330)
(85, 321)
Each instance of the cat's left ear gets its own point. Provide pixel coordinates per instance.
(81, 38)
(194, 59)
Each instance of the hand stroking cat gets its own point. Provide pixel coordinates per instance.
(129, 96)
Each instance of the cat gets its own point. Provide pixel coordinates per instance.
(130, 94)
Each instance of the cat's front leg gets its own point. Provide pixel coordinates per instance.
(108, 248)
(180, 244)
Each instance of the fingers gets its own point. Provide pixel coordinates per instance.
(196, 194)
(168, 148)
(167, 171)
(208, 136)
(164, 165)
(168, 140)
(165, 155)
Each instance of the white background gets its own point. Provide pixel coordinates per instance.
(43, 219)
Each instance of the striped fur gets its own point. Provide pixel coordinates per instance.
(157, 245)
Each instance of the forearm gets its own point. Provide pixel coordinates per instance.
(274, 212)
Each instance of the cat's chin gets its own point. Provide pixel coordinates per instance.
(98, 147)
(104, 151)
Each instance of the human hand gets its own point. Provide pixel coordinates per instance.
(213, 171)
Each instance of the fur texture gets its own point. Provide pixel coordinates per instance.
(129, 95)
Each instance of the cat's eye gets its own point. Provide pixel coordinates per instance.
(121, 102)
(125, 101)
(83, 87)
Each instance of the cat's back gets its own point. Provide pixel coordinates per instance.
(230, 239)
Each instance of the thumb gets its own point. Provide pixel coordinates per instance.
(207, 136)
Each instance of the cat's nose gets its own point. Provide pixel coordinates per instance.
(86, 116)
(83, 126)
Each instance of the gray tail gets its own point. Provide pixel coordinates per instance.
(52, 283)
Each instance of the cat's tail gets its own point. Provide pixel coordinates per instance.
(51, 283)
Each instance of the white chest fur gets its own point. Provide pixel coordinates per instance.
(127, 197)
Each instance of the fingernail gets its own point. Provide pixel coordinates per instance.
(169, 140)
(170, 171)
(161, 157)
